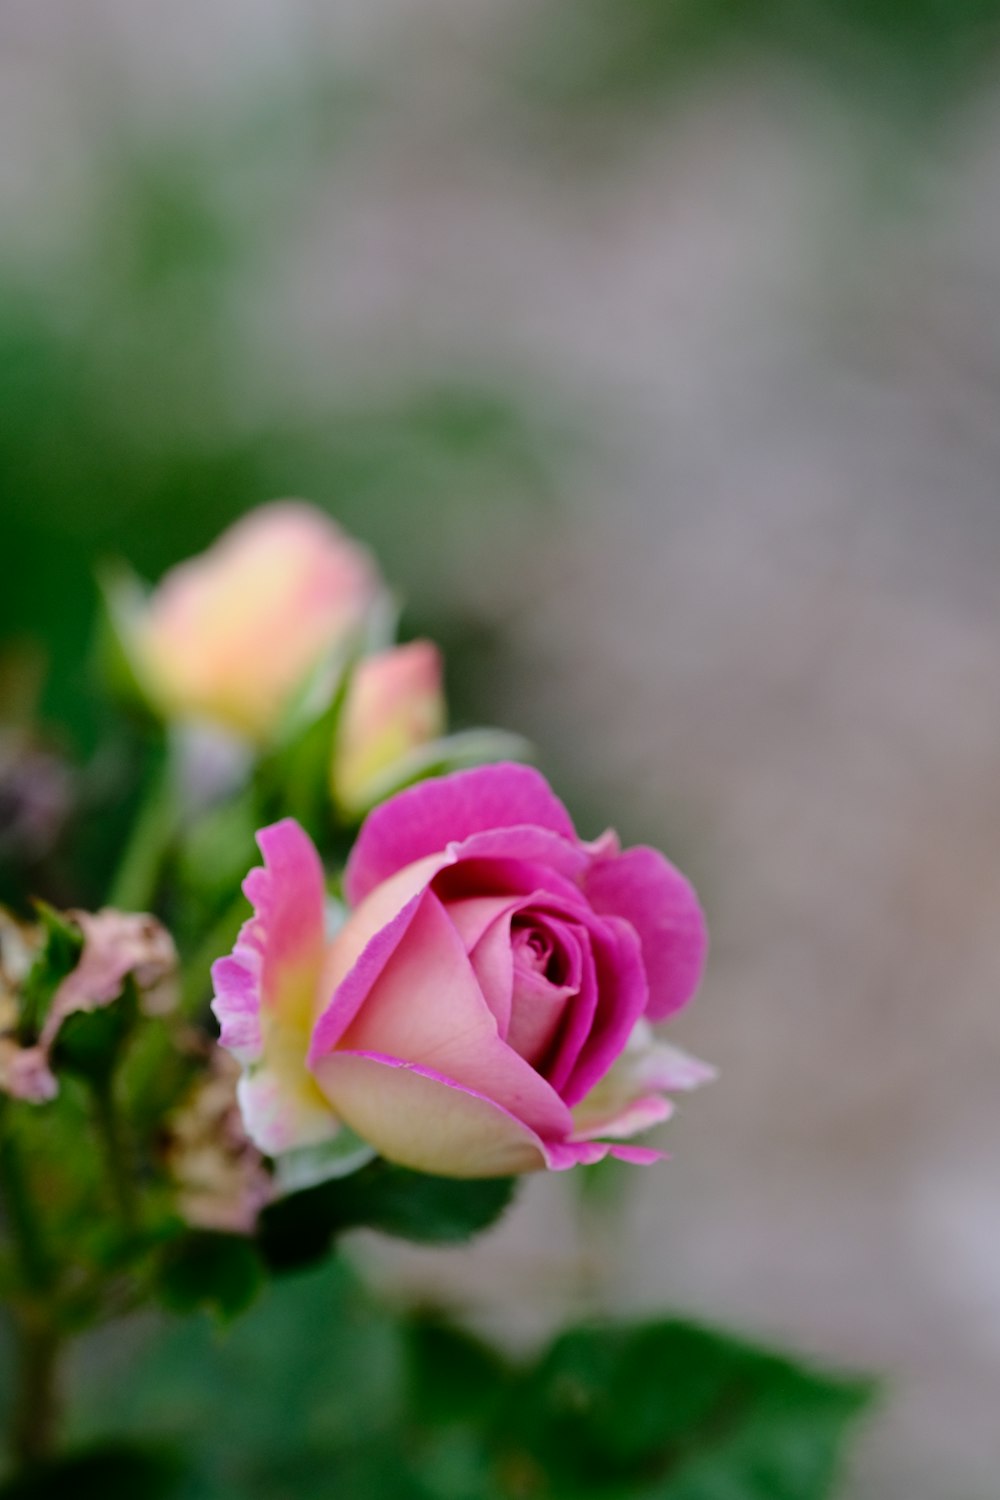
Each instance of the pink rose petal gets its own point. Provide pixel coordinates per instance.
(448, 809)
(278, 957)
(645, 888)
(267, 992)
(426, 1121)
(426, 1006)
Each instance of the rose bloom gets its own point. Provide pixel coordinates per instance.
(230, 635)
(395, 704)
(486, 1007)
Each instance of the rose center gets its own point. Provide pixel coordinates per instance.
(535, 952)
(540, 992)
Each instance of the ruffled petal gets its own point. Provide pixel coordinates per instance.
(275, 965)
(567, 1154)
(266, 992)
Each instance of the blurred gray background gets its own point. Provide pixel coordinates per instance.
(657, 348)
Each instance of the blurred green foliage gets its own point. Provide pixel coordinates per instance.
(321, 1391)
(82, 482)
(141, 417)
(139, 420)
(140, 414)
(298, 1229)
(112, 1469)
(912, 58)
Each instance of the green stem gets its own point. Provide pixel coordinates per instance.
(35, 1415)
(35, 1410)
(135, 883)
(36, 1271)
(116, 1154)
(599, 1200)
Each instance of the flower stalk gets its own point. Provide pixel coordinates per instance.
(34, 1415)
(118, 1167)
(138, 875)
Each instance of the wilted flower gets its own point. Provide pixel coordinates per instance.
(116, 945)
(220, 1175)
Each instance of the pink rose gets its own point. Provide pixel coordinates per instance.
(486, 1007)
(229, 636)
(395, 704)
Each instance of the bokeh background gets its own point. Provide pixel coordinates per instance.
(655, 345)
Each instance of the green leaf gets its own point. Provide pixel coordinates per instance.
(61, 948)
(358, 1471)
(672, 1411)
(411, 1205)
(901, 54)
(119, 1471)
(274, 1406)
(452, 1376)
(295, 778)
(220, 1272)
(453, 752)
(90, 1042)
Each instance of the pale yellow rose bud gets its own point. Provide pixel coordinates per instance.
(395, 704)
(229, 636)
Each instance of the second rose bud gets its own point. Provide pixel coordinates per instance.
(395, 705)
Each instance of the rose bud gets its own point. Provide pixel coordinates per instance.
(484, 1010)
(229, 636)
(395, 704)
